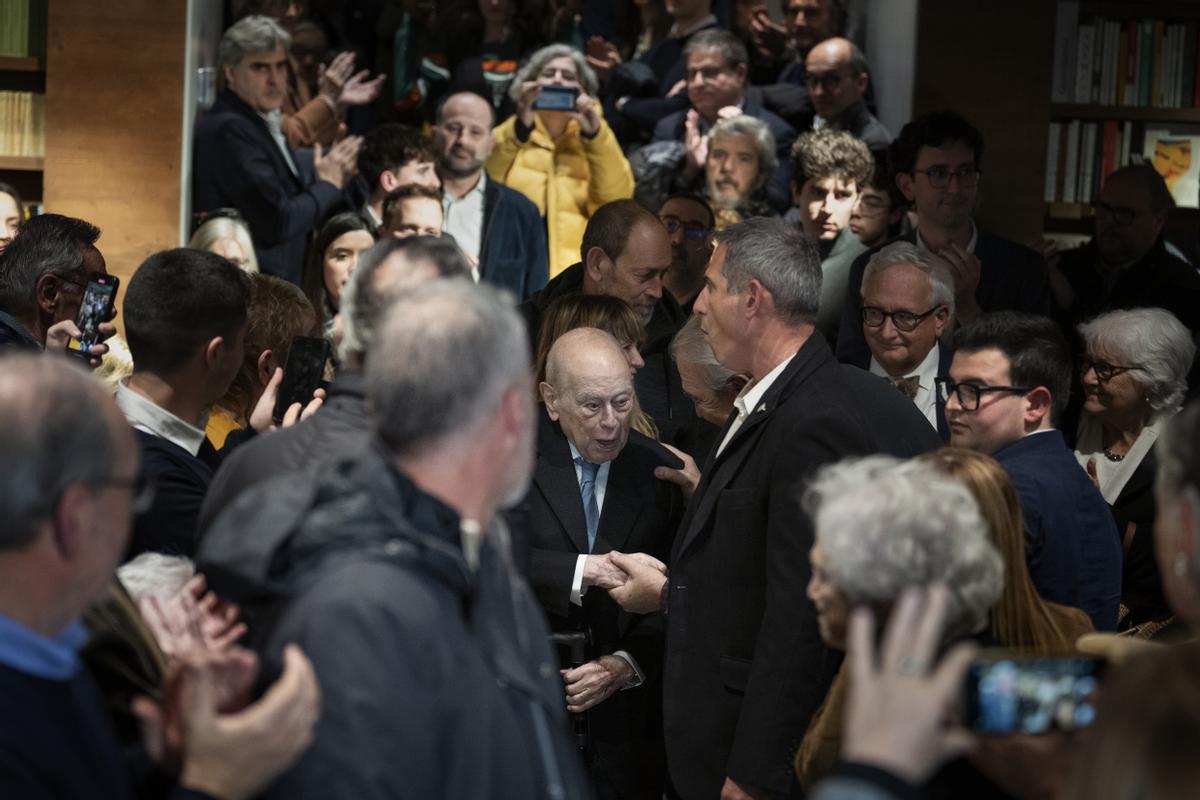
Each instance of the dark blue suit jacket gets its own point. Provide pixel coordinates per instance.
(238, 165)
(1071, 541)
(513, 253)
(1011, 278)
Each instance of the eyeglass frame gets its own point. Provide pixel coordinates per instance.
(143, 490)
(944, 386)
(917, 318)
(1087, 363)
(960, 174)
(690, 230)
(1119, 214)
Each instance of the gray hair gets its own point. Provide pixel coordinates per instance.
(257, 34)
(885, 525)
(755, 128)
(155, 575)
(690, 346)
(448, 352)
(48, 244)
(220, 228)
(733, 50)
(781, 258)
(1153, 339)
(53, 438)
(364, 305)
(529, 71)
(941, 282)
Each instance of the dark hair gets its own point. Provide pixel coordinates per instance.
(46, 244)
(176, 302)
(314, 265)
(1034, 346)
(733, 50)
(828, 153)
(691, 197)
(934, 130)
(407, 192)
(1156, 187)
(388, 147)
(611, 225)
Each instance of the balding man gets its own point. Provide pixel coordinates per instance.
(594, 491)
(837, 80)
(499, 229)
(68, 492)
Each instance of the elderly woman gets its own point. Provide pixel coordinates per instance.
(226, 235)
(568, 162)
(884, 525)
(1134, 377)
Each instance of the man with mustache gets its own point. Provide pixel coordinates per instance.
(739, 161)
(498, 229)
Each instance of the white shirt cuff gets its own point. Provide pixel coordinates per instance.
(639, 677)
(577, 589)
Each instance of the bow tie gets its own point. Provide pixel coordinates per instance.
(907, 385)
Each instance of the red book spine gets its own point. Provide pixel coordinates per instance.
(1109, 162)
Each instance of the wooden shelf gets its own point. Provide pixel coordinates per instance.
(1131, 9)
(18, 64)
(22, 163)
(1136, 113)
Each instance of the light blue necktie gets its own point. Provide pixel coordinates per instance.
(591, 508)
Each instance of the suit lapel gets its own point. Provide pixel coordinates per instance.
(554, 476)
(622, 504)
(491, 200)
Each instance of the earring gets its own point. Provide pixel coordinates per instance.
(1181, 565)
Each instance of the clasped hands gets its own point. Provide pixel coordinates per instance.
(634, 580)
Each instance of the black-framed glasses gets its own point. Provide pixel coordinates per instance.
(969, 394)
(1104, 371)
(939, 177)
(1122, 215)
(827, 81)
(691, 230)
(905, 321)
(143, 490)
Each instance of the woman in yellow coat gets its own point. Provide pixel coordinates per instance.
(567, 162)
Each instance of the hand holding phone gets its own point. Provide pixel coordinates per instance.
(556, 98)
(96, 308)
(1009, 693)
(302, 374)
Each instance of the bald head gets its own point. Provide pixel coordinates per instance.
(1131, 212)
(836, 72)
(589, 392)
(462, 135)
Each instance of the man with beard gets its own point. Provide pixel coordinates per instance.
(740, 160)
(498, 229)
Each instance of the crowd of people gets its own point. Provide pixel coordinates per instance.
(679, 434)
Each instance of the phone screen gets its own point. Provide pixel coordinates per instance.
(302, 374)
(556, 98)
(95, 308)
(1007, 693)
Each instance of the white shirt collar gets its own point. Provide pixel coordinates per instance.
(144, 415)
(925, 373)
(751, 395)
(970, 245)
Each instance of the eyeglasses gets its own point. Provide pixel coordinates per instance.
(969, 394)
(1122, 215)
(143, 490)
(939, 177)
(905, 321)
(690, 229)
(827, 81)
(1104, 371)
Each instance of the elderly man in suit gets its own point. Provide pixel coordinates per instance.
(243, 161)
(745, 667)
(594, 491)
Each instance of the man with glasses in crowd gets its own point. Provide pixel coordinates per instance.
(1007, 388)
(837, 80)
(689, 222)
(936, 163)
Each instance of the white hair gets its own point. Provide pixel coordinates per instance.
(155, 575)
(885, 525)
(220, 228)
(530, 69)
(1155, 341)
(941, 282)
(756, 129)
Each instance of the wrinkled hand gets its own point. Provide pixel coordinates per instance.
(603, 57)
(262, 419)
(525, 100)
(641, 590)
(587, 114)
(234, 756)
(769, 37)
(332, 79)
(732, 790)
(687, 479)
(340, 163)
(193, 622)
(728, 112)
(360, 90)
(598, 571)
(897, 702)
(965, 268)
(695, 144)
(60, 334)
(594, 682)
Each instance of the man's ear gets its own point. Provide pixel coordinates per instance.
(741, 72)
(940, 318)
(755, 298)
(1038, 406)
(69, 521)
(227, 73)
(214, 351)
(904, 184)
(388, 181)
(549, 397)
(596, 266)
(267, 362)
(860, 84)
(47, 292)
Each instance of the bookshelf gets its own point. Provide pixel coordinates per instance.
(22, 91)
(1125, 88)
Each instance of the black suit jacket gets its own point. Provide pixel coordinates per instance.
(513, 251)
(1011, 278)
(899, 427)
(237, 164)
(945, 359)
(745, 664)
(180, 482)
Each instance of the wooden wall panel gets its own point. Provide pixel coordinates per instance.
(114, 122)
(992, 62)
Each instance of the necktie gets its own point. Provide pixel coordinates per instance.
(907, 385)
(591, 508)
(274, 125)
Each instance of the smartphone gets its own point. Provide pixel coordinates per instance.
(302, 374)
(1008, 693)
(556, 98)
(661, 454)
(97, 307)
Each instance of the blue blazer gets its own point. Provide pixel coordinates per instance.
(513, 254)
(1071, 541)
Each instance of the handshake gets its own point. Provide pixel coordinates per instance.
(634, 580)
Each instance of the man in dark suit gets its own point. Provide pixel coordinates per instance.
(594, 491)
(243, 161)
(499, 229)
(837, 79)
(717, 62)
(745, 665)
(1008, 386)
(936, 160)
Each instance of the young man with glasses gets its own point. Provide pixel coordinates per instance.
(689, 221)
(1007, 387)
(936, 166)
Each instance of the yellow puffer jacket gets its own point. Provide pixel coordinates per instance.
(567, 180)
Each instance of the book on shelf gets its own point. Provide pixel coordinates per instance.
(1174, 152)
(22, 124)
(1125, 62)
